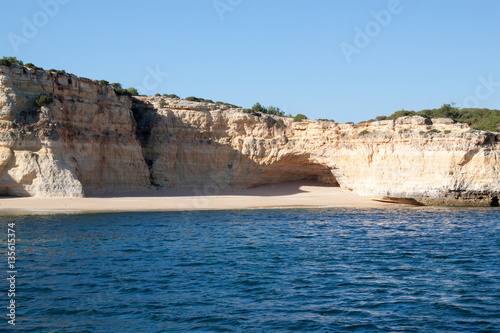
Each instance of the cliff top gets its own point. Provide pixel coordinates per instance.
(484, 119)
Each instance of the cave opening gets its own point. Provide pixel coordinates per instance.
(494, 202)
(297, 169)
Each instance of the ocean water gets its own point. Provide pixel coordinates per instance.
(407, 269)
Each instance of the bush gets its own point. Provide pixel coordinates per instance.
(280, 124)
(299, 117)
(162, 103)
(323, 119)
(30, 65)
(132, 91)
(43, 99)
(363, 132)
(275, 110)
(120, 91)
(9, 61)
(171, 96)
(62, 71)
(257, 107)
(480, 119)
(104, 82)
(196, 99)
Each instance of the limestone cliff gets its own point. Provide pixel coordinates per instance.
(89, 140)
(81, 143)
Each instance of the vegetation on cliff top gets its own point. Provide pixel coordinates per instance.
(119, 90)
(9, 61)
(480, 119)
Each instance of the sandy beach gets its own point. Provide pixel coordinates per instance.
(303, 194)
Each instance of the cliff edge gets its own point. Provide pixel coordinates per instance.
(88, 140)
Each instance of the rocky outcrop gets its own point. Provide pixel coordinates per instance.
(89, 140)
(81, 143)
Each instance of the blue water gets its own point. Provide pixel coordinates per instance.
(332, 270)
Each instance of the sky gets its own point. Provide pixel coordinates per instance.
(347, 60)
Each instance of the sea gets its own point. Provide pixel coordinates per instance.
(394, 269)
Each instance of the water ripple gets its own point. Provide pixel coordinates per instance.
(329, 270)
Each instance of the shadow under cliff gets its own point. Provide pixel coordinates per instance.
(270, 190)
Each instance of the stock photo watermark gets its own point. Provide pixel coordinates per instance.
(153, 79)
(32, 26)
(371, 30)
(484, 90)
(224, 6)
(11, 274)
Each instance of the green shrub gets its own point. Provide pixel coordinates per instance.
(171, 96)
(323, 119)
(162, 103)
(275, 110)
(480, 119)
(280, 124)
(363, 132)
(104, 82)
(228, 104)
(257, 107)
(132, 91)
(43, 99)
(9, 61)
(30, 65)
(299, 117)
(248, 110)
(196, 99)
(434, 131)
(447, 131)
(119, 90)
(62, 71)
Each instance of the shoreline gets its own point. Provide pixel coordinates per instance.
(297, 194)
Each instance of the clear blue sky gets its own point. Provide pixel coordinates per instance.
(288, 53)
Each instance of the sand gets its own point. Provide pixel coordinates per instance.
(303, 194)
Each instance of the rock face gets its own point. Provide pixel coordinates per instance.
(79, 144)
(88, 140)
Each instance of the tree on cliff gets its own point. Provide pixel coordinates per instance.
(299, 117)
(121, 91)
(8, 61)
